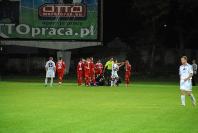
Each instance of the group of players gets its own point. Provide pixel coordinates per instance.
(89, 73)
(94, 74)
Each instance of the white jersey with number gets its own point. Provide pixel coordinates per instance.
(115, 69)
(185, 71)
(50, 67)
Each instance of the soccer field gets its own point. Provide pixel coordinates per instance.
(141, 108)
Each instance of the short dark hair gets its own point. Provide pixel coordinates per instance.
(60, 58)
(185, 57)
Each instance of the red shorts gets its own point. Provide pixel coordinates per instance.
(92, 74)
(60, 74)
(127, 75)
(98, 72)
(87, 74)
(80, 74)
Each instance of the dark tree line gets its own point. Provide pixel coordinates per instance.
(153, 24)
(165, 23)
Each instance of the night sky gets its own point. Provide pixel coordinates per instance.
(120, 20)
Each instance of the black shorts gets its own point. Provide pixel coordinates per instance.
(108, 73)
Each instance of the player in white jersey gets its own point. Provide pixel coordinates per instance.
(114, 73)
(186, 73)
(50, 71)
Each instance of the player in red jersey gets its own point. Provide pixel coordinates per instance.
(127, 72)
(87, 67)
(98, 68)
(60, 68)
(92, 71)
(80, 72)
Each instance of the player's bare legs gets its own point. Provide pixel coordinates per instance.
(80, 81)
(94, 80)
(193, 100)
(183, 98)
(60, 80)
(51, 83)
(126, 84)
(112, 82)
(126, 81)
(115, 82)
(46, 82)
(88, 79)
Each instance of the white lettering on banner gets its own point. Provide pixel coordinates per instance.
(86, 31)
(69, 32)
(76, 9)
(24, 29)
(92, 30)
(62, 9)
(52, 31)
(44, 30)
(35, 31)
(48, 9)
(20, 27)
(60, 31)
(10, 28)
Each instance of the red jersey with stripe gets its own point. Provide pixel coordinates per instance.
(80, 66)
(60, 66)
(128, 68)
(87, 67)
(98, 68)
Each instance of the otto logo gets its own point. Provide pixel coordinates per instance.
(62, 11)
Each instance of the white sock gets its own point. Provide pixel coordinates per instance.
(45, 81)
(51, 82)
(115, 81)
(183, 100)
(112, 82)
(192, 98)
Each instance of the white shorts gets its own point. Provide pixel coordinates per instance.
(114, 75)
(50, 74)
(186, 85)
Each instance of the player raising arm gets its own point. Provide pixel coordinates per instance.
(114, 74)
(186, 73)
(50, 71)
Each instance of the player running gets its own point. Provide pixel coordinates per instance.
(186, 73)
(60, 68)
(80, 72)
(127, 72)
(114, 74)
(50, 71)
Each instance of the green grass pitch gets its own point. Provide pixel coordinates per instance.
(141, 108)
